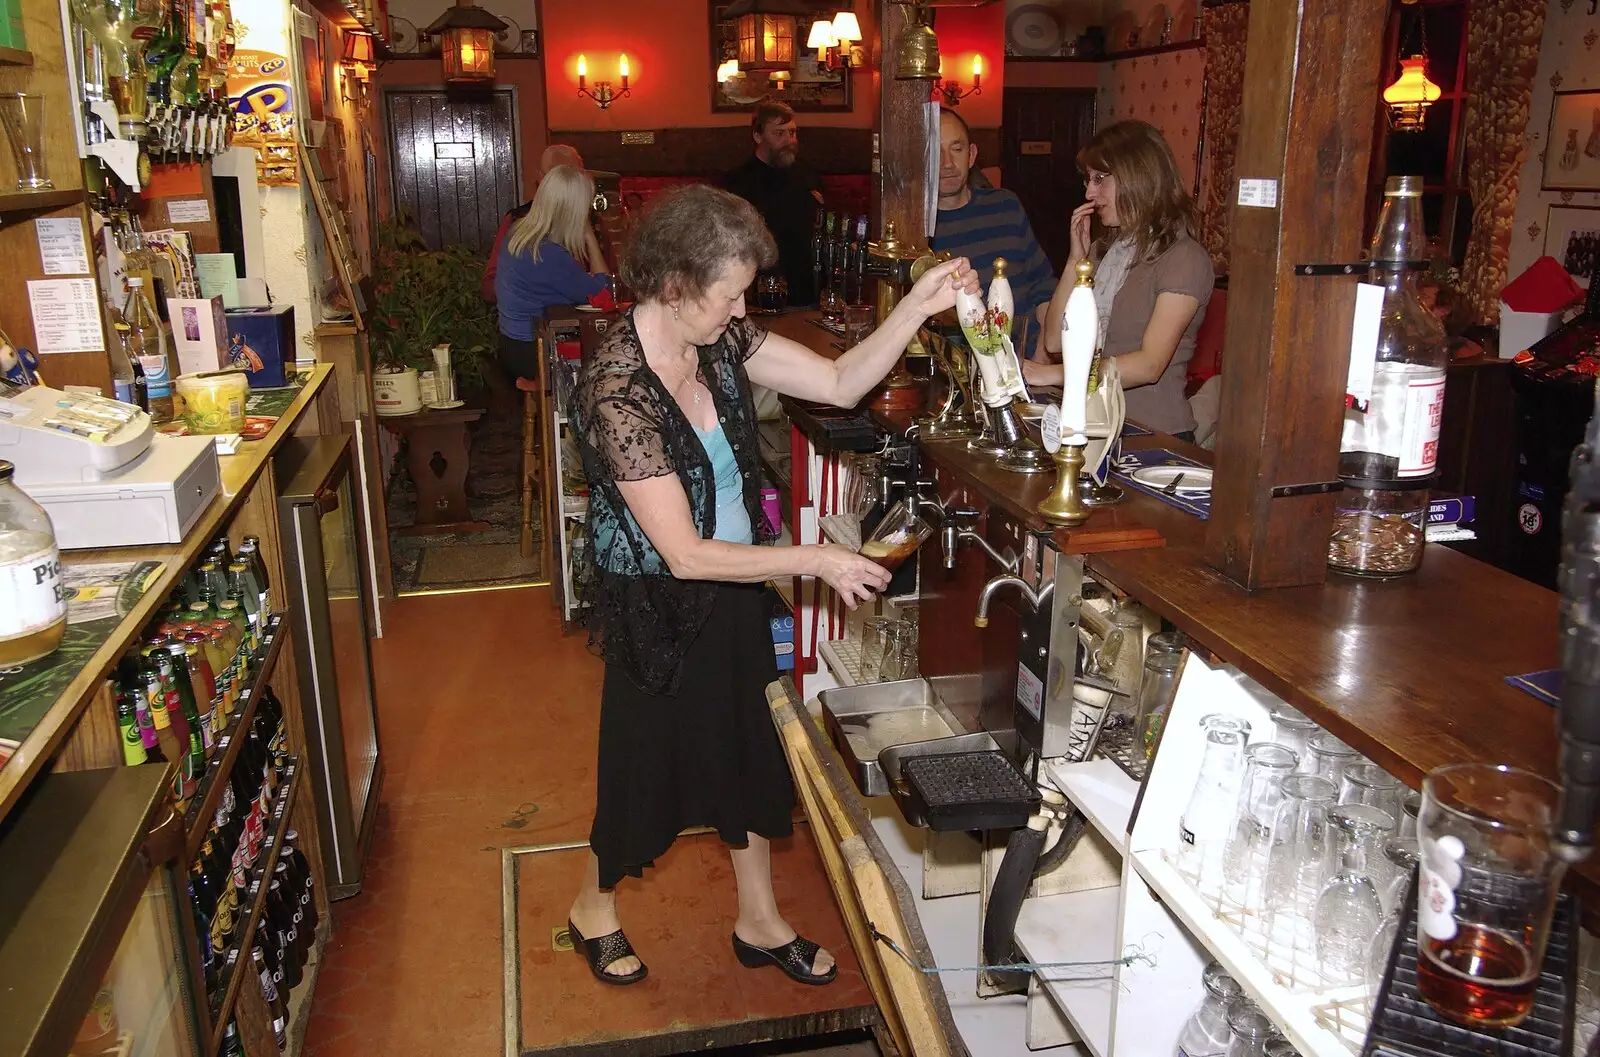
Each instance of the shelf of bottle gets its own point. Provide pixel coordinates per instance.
(38, 201)
(299, 1011)
(238, 956)
(15, 57)
(197, 822)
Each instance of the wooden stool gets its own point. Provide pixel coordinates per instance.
(532, 470)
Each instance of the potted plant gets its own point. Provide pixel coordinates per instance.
(425, 298)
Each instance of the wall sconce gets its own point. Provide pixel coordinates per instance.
(836, 41)
(603, 93)
(951, 90)
(822, 39)
(467, 43)
(780, 79)
(359, 60)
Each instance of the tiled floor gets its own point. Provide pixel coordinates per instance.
(488, 723)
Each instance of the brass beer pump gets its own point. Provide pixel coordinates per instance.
(891, 263)
(1065, 504)
(955, 417)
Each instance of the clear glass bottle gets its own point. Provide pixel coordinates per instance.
(1349, 910)
(33, 598)
(1389, 451)
(149, 343)
(1244, 867)
(1203, 829)
(1205, 1034)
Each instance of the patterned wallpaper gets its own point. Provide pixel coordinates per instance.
(1164, 90)
(1569, 59)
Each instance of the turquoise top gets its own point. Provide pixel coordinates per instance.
(733, 519)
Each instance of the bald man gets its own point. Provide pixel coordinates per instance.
(553, 155)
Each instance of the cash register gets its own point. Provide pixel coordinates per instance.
(100, 469)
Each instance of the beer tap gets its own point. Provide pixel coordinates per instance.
(956, 529)
(1580, 647)
(890, 262)
(1037, 600)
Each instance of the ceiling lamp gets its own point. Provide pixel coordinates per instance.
(1409, 97)
(466, 44)
(766, 32)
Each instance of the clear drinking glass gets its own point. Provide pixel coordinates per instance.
(1330, 756)
(1244, 864)
(831, 302)
(23, 117)
(1349, 910)
(859, 323)
(1163, 661)
(1205, 1034)
(1248, 1029)
(1278, 1046)
(1298, 860)
(1203, 830)
(1367, 783)
(896, 537)
(1408, 815)
(1293, 730)
(1487, 889)
(899, 652)
(873, 632)
(1394, 873)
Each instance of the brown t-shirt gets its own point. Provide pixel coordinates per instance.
(1184, 269)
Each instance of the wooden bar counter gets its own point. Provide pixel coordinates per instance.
(1411, 671)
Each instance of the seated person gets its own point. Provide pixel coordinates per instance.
(555, 154)
(982, 223)
(540, 264)
(1152, 279)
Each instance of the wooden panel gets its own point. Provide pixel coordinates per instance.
(713, 151)
(154, 216)
(19, 262)
(96, 740)
(1311, 83)
(47, 76)
(451, 197)
(901, 186)
(1477, 452)
(1044, 130)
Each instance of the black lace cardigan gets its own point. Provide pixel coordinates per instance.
(641, 618)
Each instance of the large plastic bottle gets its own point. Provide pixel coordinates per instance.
(149, 343)
(33, 598)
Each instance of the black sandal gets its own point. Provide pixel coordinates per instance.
(599, 955)
(795, 958)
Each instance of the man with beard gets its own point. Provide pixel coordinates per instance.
(982, 223)
(785, 191)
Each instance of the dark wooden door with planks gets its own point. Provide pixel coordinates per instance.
(455, 167)
(1044, 128)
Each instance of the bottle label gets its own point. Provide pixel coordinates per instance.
(1419, 443)
(32, 595)
(133, 753)
(122, 390)
(156, 379)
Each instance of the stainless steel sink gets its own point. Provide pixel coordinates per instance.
(863, 721)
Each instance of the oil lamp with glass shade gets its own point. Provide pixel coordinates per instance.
(1409, 97)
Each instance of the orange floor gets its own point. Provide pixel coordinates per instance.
(488, 723)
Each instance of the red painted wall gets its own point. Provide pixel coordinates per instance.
(669, 54)
(963, 33)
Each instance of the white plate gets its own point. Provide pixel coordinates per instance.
(1196, 479)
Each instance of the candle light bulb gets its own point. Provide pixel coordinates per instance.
(977, 68)
(583, 67)
(622, 67)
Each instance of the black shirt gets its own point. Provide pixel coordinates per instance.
(785, 201)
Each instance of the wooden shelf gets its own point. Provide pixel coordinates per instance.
(197, 823)
(239, 954)
(37, 201)
(15, 57)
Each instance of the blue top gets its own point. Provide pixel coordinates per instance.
(993, 224)
(733, 520)
(524, 288)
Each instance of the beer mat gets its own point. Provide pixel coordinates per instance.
(100, 595)
(1545, 685)
(1131, 462)
(1133, 429)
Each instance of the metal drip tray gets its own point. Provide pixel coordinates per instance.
(863, 721)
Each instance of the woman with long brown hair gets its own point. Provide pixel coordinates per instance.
(1152, 279)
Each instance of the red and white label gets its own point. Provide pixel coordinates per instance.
(1419, 444)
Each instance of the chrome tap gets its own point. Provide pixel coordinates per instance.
(1037, 600)
(956, 528)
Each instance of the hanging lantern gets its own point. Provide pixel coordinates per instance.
(466, 43)
(766, 32)
(1409, 97)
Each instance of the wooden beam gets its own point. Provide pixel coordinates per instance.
(900, 190)
(1306, 127)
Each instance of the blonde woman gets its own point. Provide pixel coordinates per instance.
(1152, 279)
(539, 264)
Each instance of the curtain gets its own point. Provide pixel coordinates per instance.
(1502, 59)
(1226, 26)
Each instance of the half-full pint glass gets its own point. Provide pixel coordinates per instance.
(1487, 886)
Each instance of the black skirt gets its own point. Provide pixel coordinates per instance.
(708, 755)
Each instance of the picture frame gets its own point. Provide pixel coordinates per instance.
(1572, 145)
(1572, 237)
(812, 88)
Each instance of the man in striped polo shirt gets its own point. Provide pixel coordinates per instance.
(982, 223)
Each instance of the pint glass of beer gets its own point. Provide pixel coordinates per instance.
(1486, 888)
(897, 537)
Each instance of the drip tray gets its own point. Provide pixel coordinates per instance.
(970, 791)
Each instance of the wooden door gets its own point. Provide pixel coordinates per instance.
(455, 167)
(1042, 131)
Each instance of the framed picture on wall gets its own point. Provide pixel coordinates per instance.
(1572, 148)
(810, 86)
(1572, 237)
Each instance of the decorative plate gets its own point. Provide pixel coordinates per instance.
(1034, 30)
